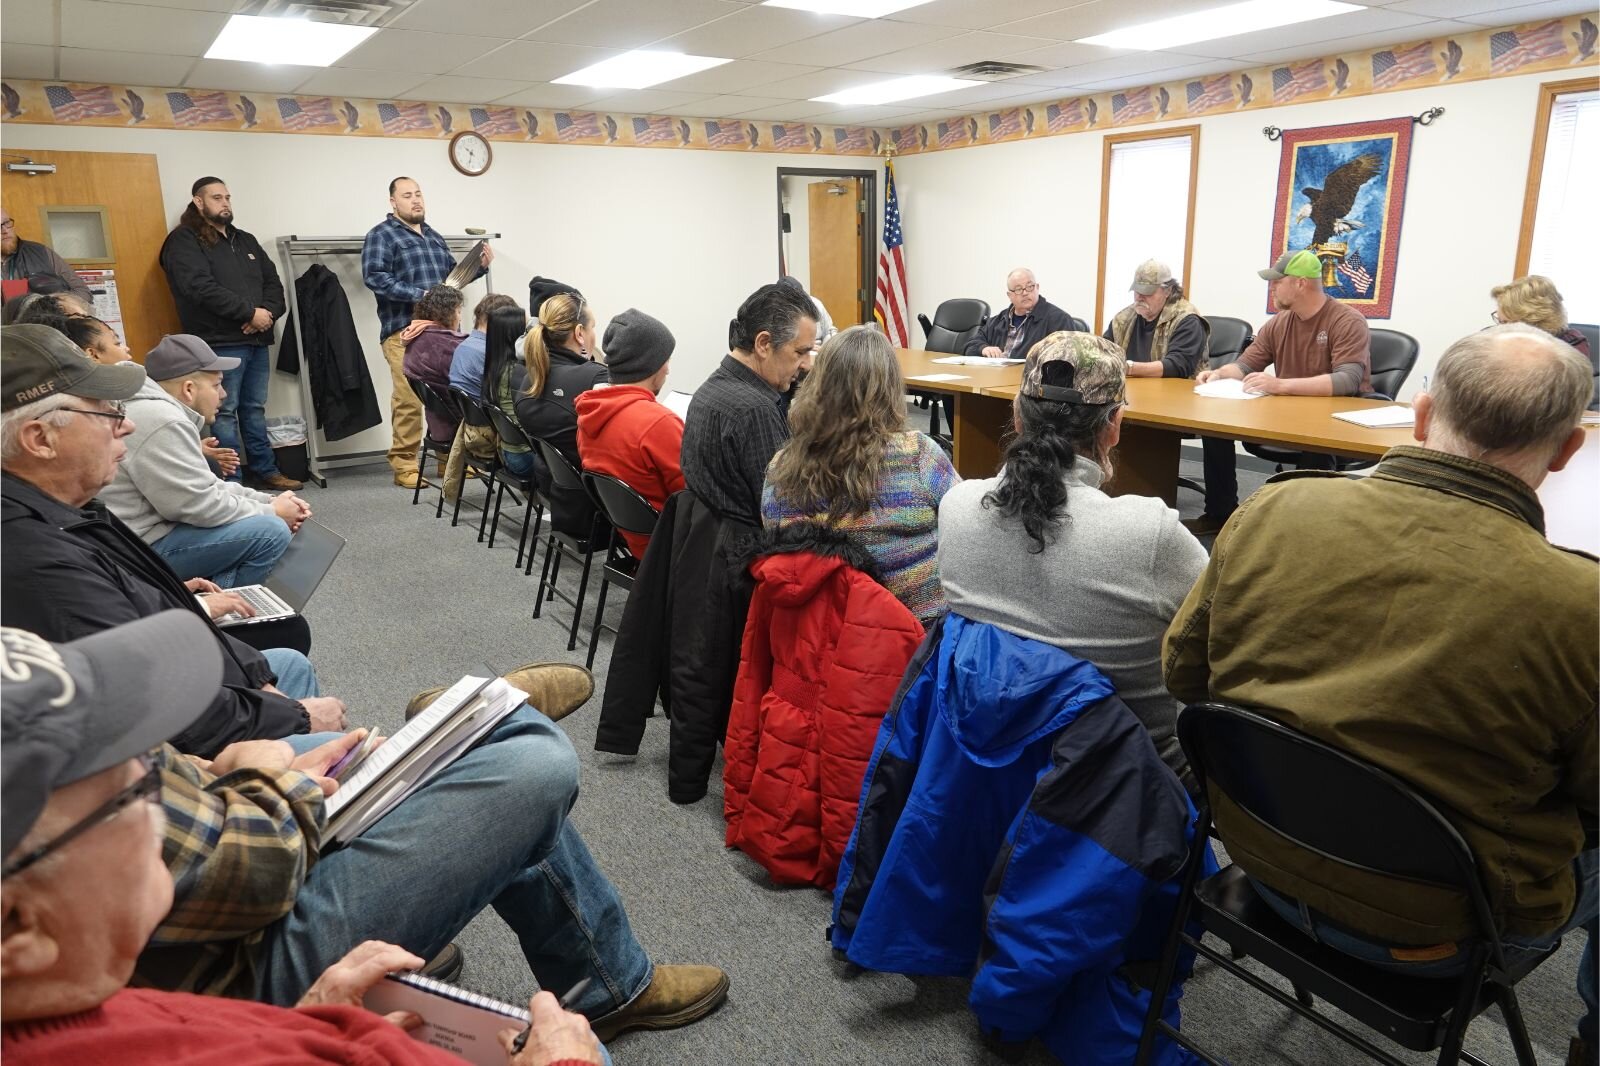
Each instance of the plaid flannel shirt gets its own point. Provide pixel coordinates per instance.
(239, 847)
(399, 265)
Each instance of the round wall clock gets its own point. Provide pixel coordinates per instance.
(470, 153)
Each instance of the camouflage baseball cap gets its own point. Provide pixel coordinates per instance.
(1301, 264)
(1092, 370)
(1151, 275)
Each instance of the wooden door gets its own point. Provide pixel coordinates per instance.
(836, 230)
(128, 186)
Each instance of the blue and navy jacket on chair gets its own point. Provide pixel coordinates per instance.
(1017, 823)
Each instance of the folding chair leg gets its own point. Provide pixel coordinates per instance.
(488, 487)
(533, 541)
(1461, 1014)
(544, 575)
(461, 494)
(494, 523)
(1174, 943)
(522, 538)
(1512, 1010)
(1306, 999)
(422, 454)
(583, 587)
(599, 616)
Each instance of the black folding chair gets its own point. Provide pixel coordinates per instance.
(563, 475)
(1358, 816)
(533, 502)
(475, 412)
(442, 405)
(628, 512)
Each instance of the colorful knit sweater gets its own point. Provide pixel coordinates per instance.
(901, 529)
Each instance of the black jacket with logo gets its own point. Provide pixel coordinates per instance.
(218, 286)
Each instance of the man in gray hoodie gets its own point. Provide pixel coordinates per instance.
(167, 494)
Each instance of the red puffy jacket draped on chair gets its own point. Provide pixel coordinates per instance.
(824, 648)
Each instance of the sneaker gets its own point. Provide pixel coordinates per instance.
(678, 995)
(280, 483)
(407, 479)
(445, 966)
(1204, 526)
(555, 689)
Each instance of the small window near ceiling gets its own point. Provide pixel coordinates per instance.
(1146, 209)
(1560, 214)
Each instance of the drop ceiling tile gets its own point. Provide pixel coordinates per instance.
(857, 115)
(486, 18)
(939, 56)
(640, 101)
(864, 40)
(223, 6)
(632, 23)
(451, 89)
(556, 96)
(757, 29)
(821, 83)
(363, 84)
(245, 77)
(1132, 64)
(1068, 54)
(534, 61)
(976, 96)
(128, 68)
(725, 106)
(1076, 21)
(978, 14)
(424, 53)
(28, 60)
(136, 28)
(1515, 16)
(795, 111)
(1460, 9)
(738, 76)
(1361, 42)
(28, 22)
(1313, 34)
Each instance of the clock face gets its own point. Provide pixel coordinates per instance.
(470, 153)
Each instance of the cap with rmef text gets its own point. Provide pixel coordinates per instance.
(37, 361)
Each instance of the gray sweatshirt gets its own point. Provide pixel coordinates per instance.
(1105, 590)
(164, 481)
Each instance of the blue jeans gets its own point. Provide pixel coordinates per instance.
(416, 878)
(1586, 868)
(297, 679)
(237, 553)
(243, 416)
(519, 463)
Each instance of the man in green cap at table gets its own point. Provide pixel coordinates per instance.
(1316, 346)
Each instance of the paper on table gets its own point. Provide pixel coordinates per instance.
(1379, 417)
(979, 360)
(938, 377)
(1226, 389)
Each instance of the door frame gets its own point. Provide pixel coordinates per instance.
(869, 261)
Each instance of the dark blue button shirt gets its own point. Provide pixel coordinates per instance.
(399, 265)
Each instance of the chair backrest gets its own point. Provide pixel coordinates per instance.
(1592, 333)
(563, 475)
(442, 404)
(1328, 801)
(1229, 338)
(506, 428)
(473, 410)
(1393, 355)
(1079, 325)
(627, 510)
(956, 322)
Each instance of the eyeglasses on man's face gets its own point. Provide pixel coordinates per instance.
(148, 787)
(118, 413)
(1023, 290)
(6, 225)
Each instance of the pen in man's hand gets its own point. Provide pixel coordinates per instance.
(566, 1004)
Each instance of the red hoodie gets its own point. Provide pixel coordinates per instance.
(625, 432)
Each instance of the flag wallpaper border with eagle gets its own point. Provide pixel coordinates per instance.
(1342, 194)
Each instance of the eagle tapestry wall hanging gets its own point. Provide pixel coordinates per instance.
(1341, 193)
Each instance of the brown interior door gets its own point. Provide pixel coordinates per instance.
(128, 186)
(836, 224)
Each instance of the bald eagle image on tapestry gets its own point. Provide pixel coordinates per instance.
(1341, 195)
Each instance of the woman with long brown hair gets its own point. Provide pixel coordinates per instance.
(852, 465)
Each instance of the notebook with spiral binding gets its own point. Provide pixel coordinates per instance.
(454, 1020)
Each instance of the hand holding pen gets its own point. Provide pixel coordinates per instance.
(555, 1035)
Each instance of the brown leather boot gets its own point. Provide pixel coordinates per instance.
(280, 483)
(556, 689)
(678, 995)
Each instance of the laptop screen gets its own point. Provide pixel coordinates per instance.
(303, 566)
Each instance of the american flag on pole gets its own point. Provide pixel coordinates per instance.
(1290, 83)
(1390, 68)
(1354, 269)
(891, 308)
(306, 114)
(402, 118)
(493, 121)
(75, 105)
(197, 110)
(1510, 50)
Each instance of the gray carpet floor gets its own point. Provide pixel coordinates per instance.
(413, 603)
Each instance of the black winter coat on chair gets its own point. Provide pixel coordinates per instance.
(341, 386)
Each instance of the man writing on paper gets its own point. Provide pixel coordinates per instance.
(83, 885)
(402, 258)
(1163, 334)
(1030, 319)
(1317, 346)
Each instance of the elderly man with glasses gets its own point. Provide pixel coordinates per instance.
(1030, 319)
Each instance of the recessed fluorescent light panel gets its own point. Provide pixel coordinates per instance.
(636, 70)
(297, 42)
(861, 9)
(887, 92)
(1218, 22)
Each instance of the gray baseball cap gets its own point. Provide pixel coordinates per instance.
(179, 354)
(38, 361)
(69, 711)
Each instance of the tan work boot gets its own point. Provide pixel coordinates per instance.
(281, 483)
(407, 479)
(678, 995)
(555, 689)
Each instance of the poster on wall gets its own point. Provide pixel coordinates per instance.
(107, 307)
(1341, 195)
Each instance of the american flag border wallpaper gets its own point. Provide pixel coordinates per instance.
(1545, 45)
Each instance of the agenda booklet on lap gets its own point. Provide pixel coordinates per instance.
(455, 721)
(455, 1020)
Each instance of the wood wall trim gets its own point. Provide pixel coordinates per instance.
(1548, 92)
(1111, 140)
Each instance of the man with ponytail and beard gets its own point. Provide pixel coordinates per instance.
(1043, 552)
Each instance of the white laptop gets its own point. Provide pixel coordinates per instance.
(289, 587)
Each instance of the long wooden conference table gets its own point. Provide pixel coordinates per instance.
(1162, 411)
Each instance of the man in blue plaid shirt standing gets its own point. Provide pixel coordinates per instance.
(402, 258)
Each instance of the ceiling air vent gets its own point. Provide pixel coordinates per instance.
(994, 70)
(343, 12)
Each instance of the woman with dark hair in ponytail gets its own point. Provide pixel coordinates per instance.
(1043, 552)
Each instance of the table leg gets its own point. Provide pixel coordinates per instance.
(1145, 463)
(981, 423)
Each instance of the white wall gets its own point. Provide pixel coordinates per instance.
(970, 215)
(797, 250)
(682, 235)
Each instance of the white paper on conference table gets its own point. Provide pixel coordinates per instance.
(939, 377)
(1226, 389)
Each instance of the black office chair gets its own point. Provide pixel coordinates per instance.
(1078, 324)
(474, 412)
(533, 502)
(1356, 815)
(628, 512)
(1229, 338)
(565, 476)
(955, 322)
(441, 404)
(1592, 334)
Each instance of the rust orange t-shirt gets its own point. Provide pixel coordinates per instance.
(1305, 347)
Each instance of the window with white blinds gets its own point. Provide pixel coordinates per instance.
(1567, 215)
(1145, 204)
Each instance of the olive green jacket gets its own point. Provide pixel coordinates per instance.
(1418, 619)
(1173, 313)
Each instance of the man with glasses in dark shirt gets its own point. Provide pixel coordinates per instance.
(1030, 319)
